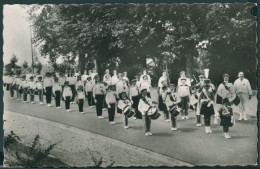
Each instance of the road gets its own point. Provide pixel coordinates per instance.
(189, 144)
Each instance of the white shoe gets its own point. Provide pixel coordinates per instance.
(68, 110)
(146, 134)
(91, 107)
(126, 127)
(167, 121)
(32, 102)
(112, 122)
(186, 117)
(207, 130)
(240, 118)
(198, 125)
(227, 136)
(135, 118)
(101, 117)
(62, 101)
(183, 117)
(18, 99)
(58, 107)
(104, 109)
(174, 129)
(245, 118)
(82, 112)
(150, 134)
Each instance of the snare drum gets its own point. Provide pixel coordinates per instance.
(153, 113)
(128, 112)
(175, 111)
(234, 99)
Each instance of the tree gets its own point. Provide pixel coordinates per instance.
(25, 65)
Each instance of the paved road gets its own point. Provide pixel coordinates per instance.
(189, 144)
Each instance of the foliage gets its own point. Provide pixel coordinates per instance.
(25, 65)
(124, 36)
(13, 61)
(31, 157)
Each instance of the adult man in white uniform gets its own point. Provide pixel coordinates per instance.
(244, 92)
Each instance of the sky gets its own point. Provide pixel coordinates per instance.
(16, 35)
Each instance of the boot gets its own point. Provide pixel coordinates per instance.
(245, 118)
(240, 116)
(207, 129)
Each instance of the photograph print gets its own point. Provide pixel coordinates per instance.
(120, 85)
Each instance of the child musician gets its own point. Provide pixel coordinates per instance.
(67, 94)
(24, 86)
(172, 100)
(226, 116)
(195, 92)
(99, 94)
(56, 89)
(88, 89)
(206, 101)
(144, 105)
(111, 103)
(81, 98)
(39, 88)
(162, 105)
(134, 97)
(184, 94)
(47, 83)
(124, 103)
(31, 90)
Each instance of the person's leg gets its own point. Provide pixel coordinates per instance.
(73, 92)
(241, 107)
(11, 91)
(149, 124)
(145, 119)
(125, 120)
(89, 98)
(186, 105)
(173, 119)
(112, 111)
(245, 104)
(62, 98)
(67, 103)
(59, 97)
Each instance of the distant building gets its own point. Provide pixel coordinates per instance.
(9, 68)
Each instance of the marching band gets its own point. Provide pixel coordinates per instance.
(133, 98)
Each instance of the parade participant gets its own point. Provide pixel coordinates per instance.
(147, 79)
(183, 75)
(88, 90)
(111, 103)
(67, 94)
(124, 103)
(226, 116)
(31, 89)
(225, 90)
(244, 92)
(10, 84)
(94, 74)
(195, 93)
(90, 74)
(84, 77)
(200, 84)
(79, 82)
(146, 83)
(125, 78)
(39, 88)
(16, 84)
(107, 78)
(28, 74)
(62, 80)
(114, 78)
(121, 86)
(137, 82)
(24, 86)
(162, 82)
(72, 83)
(172, 100)
(80, 98)
(57, 89)
(206, 101)
(134, 97)
(47, 83)
(144, 105)
(98, 94)
(162, 106)
(184, 93)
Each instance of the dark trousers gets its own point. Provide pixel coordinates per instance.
(99, 104)
(207, 119)
(19, 94)
(184, 105)
(25, 94)
(11, 90)
(125, 120)
(57, 98)
(67, 102)
(147, 123)
(40, 94)
(31, 93)
(198, 119)
(166, 113)
(48, 94)
(111, 112)
(90, 99)
(173, 119)
(73, 92)
(81, 104)
(225, 129)
(62, 98)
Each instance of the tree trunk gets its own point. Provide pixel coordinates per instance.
(81, 64)
(189, 66)
(143, 61)
(96, 65)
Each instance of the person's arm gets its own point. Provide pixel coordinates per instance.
(107, 101)
(249, 89)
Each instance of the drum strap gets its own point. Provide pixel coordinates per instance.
(226, 87)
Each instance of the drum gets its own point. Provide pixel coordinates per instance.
(153, 113)
(128, 112)
(175, 111)
(235, 99)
